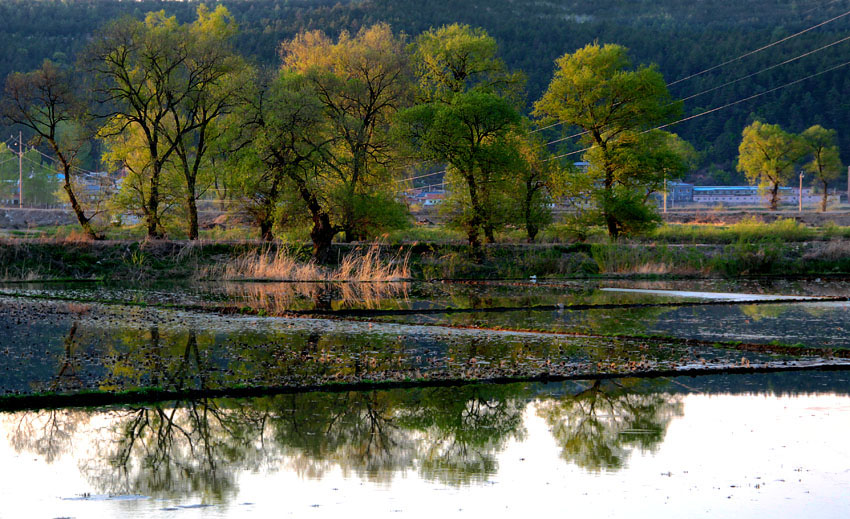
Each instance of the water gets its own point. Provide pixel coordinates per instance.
(756, 445)
(715, 446)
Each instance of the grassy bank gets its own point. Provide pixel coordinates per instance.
(27, 260)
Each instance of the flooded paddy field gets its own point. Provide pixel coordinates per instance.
(502, 398)
(70, 338)
(756, 445)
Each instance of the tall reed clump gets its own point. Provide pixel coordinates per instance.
(359, 265)
(368, 266)
(278, 265)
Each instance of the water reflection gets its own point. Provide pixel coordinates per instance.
(201, 450)
(115, 348)
(599, 427)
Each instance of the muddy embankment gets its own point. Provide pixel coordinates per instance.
(42, 259)
(810, 218)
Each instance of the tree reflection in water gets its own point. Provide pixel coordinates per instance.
(599, 427)
(452, 435)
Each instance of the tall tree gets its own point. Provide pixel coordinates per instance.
(212, 74)
(596, 89)
(280, 146)
(166, 83)
(767, 155)
(138, 80)
(468, 113)
(825, 164)
(361, 80)
(534, 181)
(471, 133)
(46, 102)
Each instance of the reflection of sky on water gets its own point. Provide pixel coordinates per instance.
(815, 324)
(745, 453)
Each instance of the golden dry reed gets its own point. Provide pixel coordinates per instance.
(359, 265)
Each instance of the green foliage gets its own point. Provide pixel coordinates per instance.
(682, 37)
(751, 258)
(471, 133)
(457, 58)
(825, 164)
(595, 90)
(767, 156)
(630, 210)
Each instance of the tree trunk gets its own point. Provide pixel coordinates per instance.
(825, 198)
(152, 215)
(489, 233)
(478, 220)
(774, 197)
(85, 222)
(266, 229)
(610, 219)
(475, 244)
(532, 230)
(193, 214)
(322, 235)
(613, 229)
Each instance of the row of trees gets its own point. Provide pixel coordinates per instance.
(769, 157)
(327, 138)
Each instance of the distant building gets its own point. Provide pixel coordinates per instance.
(426, 196)
(750, 195)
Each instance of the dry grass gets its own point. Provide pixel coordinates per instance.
(359, 265)
(277, 299)
(272, 265)
(834, 250)
(368, 266)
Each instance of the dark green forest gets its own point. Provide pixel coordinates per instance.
(681, 37)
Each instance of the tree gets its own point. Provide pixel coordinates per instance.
(361, 81)
(284, 134)
(471, 133)
(136, 68)
(45, 101)
(536, 178)
(767, 156)
(167, 84)
(457, 58)
(825, 165)
(595, 89)
(212, 75)
(466, 118)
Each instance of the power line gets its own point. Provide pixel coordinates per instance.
(54, 159)
(742, 56)
(420, 176)
(836, 67)
(766, 69)
(727, 105)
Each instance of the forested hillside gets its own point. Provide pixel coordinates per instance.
(682, 37)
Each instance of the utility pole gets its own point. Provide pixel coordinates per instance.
(20, 171)
(665, 193)
(800, 193)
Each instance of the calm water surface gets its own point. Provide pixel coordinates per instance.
(718, 446)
